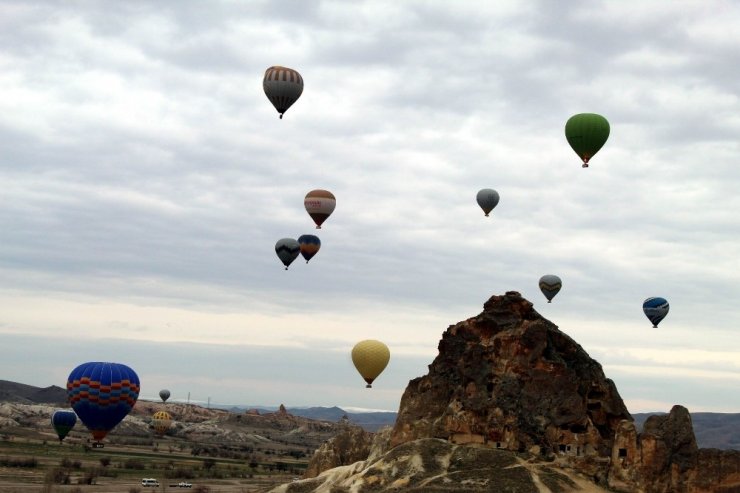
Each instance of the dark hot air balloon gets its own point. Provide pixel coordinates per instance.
(164, 394)
(655, 310)
(487, 199)
(63, 421)
(586, 134)
(310, 245)
(102, 394)
(283, 86)
(550, 286)
(287, 250)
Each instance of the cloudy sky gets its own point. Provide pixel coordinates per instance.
(145, 178)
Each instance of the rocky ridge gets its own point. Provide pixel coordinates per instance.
(511, 403)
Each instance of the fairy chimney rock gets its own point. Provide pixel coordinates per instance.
(511, 379)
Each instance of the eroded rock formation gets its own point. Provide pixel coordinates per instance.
(510, 379)
(664, 458)
(352, 444)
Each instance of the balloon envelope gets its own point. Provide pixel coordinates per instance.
(161, 420)
(655, 309)
(370, 357)
(586, 134)
(287, 250)
(63, 421)
(102, 394)
(283, 86)
(550, 286)
(309, 245)
(487, 199)
(319, 204)
(164, 394)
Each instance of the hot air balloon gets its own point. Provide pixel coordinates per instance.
(287, 250)
(487, 199)
(102, 394)
(63, 421)
(164, 394)
(161, 420)
(550, 285)
(319, 205)
(309, 245)
(370, 357)
(586, 134)
(655, 310)
(283, 86)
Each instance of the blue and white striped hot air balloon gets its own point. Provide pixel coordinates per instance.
(655, 309)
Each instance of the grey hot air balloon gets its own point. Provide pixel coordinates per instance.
(164, 394)
(550, 285)
(287, 250)
(487, 199)
(283, 86)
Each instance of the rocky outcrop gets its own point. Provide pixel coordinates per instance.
(351, 445)
(510, 379)
(438, 466)
(664, 458)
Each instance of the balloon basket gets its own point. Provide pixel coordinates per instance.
(368, 386)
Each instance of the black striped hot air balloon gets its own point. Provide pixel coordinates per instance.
(550, 286)
(283, 86)
(287, 249)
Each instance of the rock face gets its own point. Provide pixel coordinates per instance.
(508, 378)
(664, 458)
(351, 445)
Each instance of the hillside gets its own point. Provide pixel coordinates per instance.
(28, 394)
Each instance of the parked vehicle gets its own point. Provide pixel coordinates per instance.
(147, 482)
(184, 484)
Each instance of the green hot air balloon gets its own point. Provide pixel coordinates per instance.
(586, 134)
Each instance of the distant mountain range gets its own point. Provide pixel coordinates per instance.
(712, 430)
(370, 421)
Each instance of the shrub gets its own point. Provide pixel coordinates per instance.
(137, 464)
(56, 476)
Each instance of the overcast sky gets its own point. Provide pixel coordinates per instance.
(145, 178)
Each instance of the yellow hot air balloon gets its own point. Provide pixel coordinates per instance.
(370, 358)
(161, 420)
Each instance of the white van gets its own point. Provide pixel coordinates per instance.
(146, 482)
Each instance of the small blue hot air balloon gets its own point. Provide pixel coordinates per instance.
(309, 245)
(63, 421)
(102, 394)
(655, 310)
